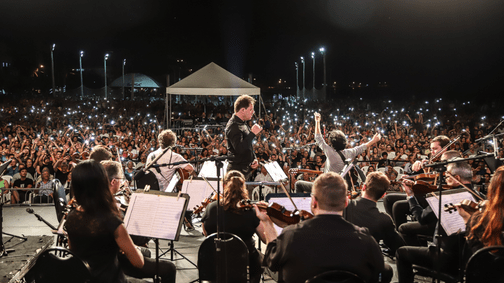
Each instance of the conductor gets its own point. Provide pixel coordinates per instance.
(239, 137)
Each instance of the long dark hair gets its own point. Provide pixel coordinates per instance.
(90, 186)
(492, 218)
(234, 190)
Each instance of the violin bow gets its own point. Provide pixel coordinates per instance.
(464, 186)
(209, 184)
(288, 195)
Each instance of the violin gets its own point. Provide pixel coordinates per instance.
(199, 208)
(278, 213)
(468, 205)
(421, 186)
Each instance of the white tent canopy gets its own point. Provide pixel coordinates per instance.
(213, 80)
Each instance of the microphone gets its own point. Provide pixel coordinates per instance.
(29, 210)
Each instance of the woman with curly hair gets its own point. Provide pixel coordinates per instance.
(484, 228)
(243, 223)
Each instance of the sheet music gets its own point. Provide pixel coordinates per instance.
(276, 172)
(173, 182)
(155, 215)
(198, 190)
(451, 222)
(209, 170)
(302, 203)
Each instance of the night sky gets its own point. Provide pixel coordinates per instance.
(425, 46)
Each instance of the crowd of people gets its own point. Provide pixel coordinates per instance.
(57, 133)
(50, 140)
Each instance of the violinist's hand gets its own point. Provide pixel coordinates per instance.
(418, 165)
(262, 214)
(407, 188)
(465, 215)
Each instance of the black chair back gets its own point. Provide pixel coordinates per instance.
(59, 265)
(148, 179)
(486, 265)
(336, 276)
(229, 264)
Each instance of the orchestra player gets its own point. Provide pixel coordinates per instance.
(243, 223)
(395, 204)
(239, 137)
(336, 152)
(167, 139)
(448, 258)
(95, 229)
(167, 270)
(326, 242)
(485, 228)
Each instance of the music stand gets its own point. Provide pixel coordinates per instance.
(166, 207)
(198, 189)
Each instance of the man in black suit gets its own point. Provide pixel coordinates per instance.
(324, 243)
(364, 213)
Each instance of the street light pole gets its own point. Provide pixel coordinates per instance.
(297, 79)
(52, 69)
(81, 81)
(304, 76)
(105, 64)
(313, 88)
(324, 85)
(124, 64)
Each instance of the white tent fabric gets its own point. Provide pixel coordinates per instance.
(213, 80)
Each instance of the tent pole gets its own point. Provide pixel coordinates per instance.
(260, 103)
(169, 112)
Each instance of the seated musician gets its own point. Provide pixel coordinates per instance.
(447, 260)
(335, 153)
(167, 138)
(234, 220)
(396, 204)
(324, 243)
(424, 226)
(100, 153)
(486, 228)
(364, 213)
(95, 229)
(167, 270)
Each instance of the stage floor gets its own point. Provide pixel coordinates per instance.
(17, 221)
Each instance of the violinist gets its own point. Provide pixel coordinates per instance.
(485, 228)
(448, 258)
(425, 220)
(395, 204)
(324, 243)
(243, 223)
(95, 229)
(167, 269)
(336, 152)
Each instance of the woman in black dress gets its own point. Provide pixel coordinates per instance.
(243, 223)
(95, 229)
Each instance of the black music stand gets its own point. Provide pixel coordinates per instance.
(157, 227)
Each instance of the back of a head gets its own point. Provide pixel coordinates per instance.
(243, 101)
(337, 140)
(100, 153)
(234, 182)
(330, 191)
(377, 184)
(166, 139)
(90, 187)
